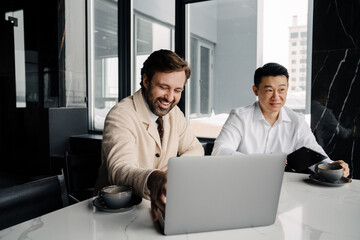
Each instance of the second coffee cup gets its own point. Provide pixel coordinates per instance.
(330, 172)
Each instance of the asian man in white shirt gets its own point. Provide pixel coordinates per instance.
(267, 126)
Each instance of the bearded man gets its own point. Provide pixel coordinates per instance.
(144, 130)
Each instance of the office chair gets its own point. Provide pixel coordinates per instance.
(208, 147)
(81, 171)
(30, 200)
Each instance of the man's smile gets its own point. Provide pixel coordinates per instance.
(164, 103)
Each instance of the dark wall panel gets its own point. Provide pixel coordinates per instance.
(336, 80)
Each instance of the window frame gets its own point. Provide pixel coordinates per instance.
(125, 48)
(143, 17)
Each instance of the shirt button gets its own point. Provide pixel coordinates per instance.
(157, 155)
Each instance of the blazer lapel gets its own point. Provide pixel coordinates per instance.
(166, 130)
(144, 116)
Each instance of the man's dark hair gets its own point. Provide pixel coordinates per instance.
(269, 69)
(163, 61)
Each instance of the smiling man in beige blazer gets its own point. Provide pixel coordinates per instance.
(132, 151)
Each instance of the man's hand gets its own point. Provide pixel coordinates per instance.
(345, 167)
(157, 185)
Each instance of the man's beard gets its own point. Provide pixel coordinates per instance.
(154, 104)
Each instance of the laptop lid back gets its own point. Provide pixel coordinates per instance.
(207, 193)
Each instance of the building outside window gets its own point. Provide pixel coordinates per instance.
(297, 91)
(294, 35)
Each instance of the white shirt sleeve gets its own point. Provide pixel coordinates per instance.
(229, 138)
(306, 138)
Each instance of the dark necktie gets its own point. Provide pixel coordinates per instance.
(160, 128)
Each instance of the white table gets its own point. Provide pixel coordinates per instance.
(306, 211)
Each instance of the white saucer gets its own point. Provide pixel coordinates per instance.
(340, 183)
(99, 204)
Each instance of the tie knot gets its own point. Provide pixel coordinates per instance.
(159, 121)
(160, 127)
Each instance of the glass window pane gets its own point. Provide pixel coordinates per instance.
(154, 26)
(17, 17)
(228, 40)
(144, 37)
(192, 81)
(75, 59)
(223, 56)
(204, 80)
(103, 60)
(285, 42)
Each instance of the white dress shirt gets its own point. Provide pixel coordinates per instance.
(247, 132)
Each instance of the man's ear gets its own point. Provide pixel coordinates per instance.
(145, 81)
(255, 90)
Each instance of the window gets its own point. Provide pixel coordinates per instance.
(153, 29)
(202, 76)
(102, 60)
(224, 45)
(302, 69)
(150, 34)
(209, 24)
(294, 35)
(293, 70)
(303, 43)
(302, 60)
(223, 60)
(17, 18)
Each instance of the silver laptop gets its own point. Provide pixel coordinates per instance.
(208, 193)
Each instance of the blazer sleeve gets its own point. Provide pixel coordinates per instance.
(120, 152)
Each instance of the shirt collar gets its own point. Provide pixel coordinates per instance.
(153, 116)
(257, 113)
(283, 116)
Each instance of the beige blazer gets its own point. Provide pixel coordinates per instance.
(131, 147)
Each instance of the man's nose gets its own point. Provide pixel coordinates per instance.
(276, 94)
(169, 96)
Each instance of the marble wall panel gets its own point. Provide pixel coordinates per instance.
(336, 24)
(335, 108)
